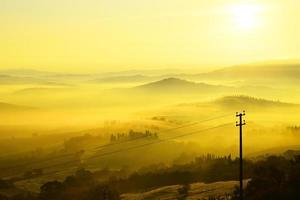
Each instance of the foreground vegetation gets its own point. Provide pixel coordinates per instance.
(273, 177)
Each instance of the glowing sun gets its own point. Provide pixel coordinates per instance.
(245, 15)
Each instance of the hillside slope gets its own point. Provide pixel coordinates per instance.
(256, 71)
(196, 191)
(6, 107)
(179, 85)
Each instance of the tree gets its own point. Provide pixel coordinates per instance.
(183, 191)
(103, 192)
(51, 191)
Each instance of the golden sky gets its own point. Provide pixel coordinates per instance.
(104, 35)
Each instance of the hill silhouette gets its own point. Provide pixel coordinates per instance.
(125, 79)
(178, 85)
(250, 101)
(239, 102)
(41, 90)
(257, 71)
(6, 107)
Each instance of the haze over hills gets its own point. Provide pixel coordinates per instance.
(255, 71)
(241, 72)
(251, 101)
(31, 73)
(28, 76)
(54, 91)
(42, 90)
(6, 107)
(179, 85)
(125, 79)
(258, 108)
(246, 102)
(146, 100)
(15, 80)
(261, 71)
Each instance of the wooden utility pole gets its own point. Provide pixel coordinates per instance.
(241, 123)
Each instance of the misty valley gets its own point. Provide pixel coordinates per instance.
(150, 134)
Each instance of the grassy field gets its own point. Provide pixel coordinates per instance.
(197, 191)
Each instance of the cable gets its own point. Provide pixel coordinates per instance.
(189, 125)
(111, 144)
(160, 141)
(140, 146)
(92, 149)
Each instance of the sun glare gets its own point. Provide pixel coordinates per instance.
(245, 15)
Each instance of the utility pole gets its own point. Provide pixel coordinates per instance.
(241, 123)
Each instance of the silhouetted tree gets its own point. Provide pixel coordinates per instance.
(52, 191)
(275, 178)
(103, 192)
(183, 192)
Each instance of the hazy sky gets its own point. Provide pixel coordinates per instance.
(84, 35)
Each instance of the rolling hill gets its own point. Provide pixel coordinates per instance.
(271, 110)
(255, 71)
(176, 85)
(247, 101)
(197, 191)
(6, 107)
(125, 79)
(42, 90)
(9, 80)
(27, 76)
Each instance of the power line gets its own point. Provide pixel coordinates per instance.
(87, 150)
(111, 144)
(160, 141)
(135, 147)
(165, 131)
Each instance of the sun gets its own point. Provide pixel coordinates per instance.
(245, 15)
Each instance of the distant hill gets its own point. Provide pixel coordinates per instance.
(125, 79)
(242, 102)
(286, 151)
(252, 104)
(9, 79)
(248, 101)
(27, 76)
(256, 71)
(19, 80)
(4, 107)
(168, 83)
(179, 85)
(264, 70)
(37, 73)
(26, 72)
(41, 90)
(147, 72)
(251, 75)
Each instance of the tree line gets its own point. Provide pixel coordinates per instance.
(272, 178)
